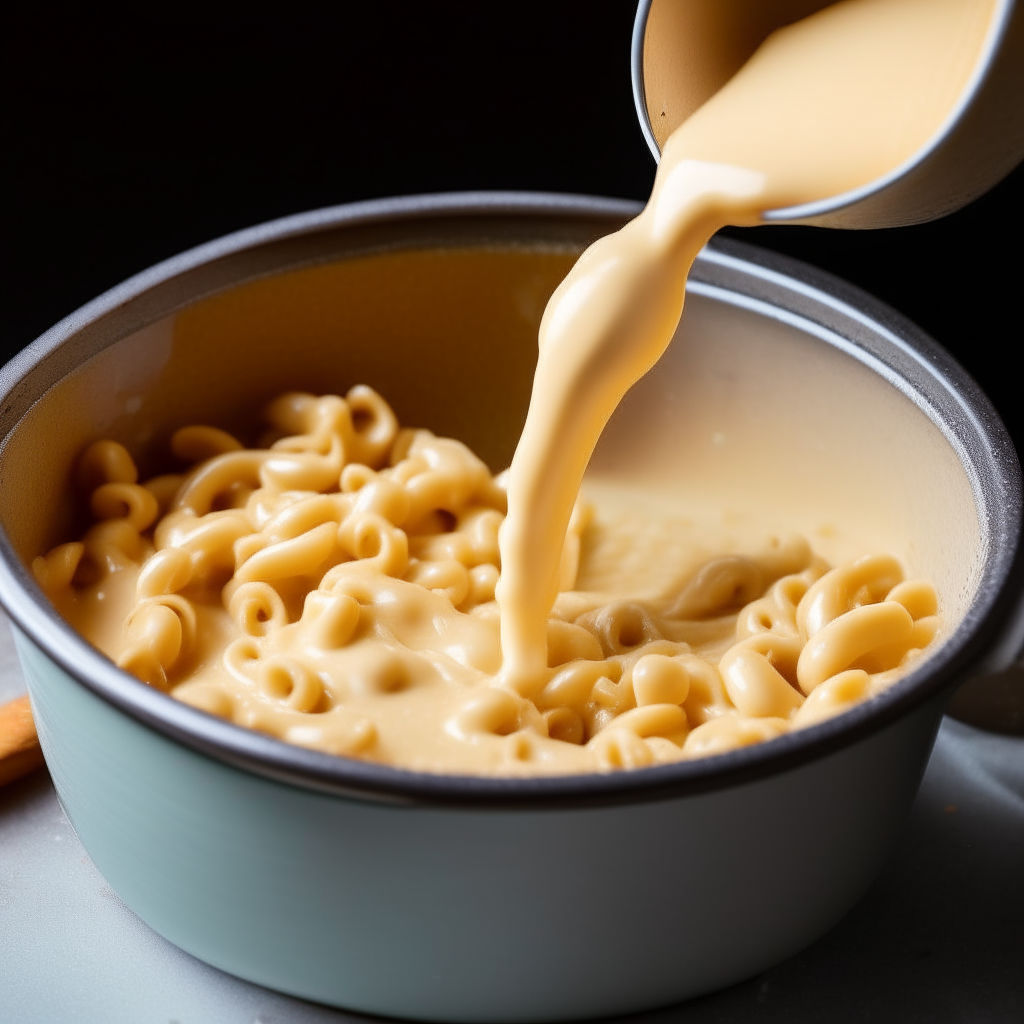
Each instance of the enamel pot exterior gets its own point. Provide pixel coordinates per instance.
(455, 914)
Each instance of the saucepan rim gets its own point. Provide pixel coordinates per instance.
(728, 271)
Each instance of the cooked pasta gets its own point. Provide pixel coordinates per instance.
(335, 588)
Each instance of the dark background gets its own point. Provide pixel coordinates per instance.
(135, 132)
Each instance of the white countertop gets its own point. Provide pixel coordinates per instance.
(939, 937)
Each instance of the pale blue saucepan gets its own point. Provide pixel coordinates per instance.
(451, 898)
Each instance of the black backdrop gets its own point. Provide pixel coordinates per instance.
(135, 132)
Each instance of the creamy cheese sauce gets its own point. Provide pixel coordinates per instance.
(823, 106)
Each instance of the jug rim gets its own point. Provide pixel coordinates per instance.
(997, 30)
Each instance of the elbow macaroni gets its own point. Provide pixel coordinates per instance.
(335, 588)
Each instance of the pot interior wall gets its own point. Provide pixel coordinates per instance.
(746, 420)
(754, 424)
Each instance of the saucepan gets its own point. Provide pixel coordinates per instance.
(785, 394)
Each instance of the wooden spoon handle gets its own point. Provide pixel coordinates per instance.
(19, 745)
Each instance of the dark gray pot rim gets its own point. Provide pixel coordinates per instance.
(729, 271)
